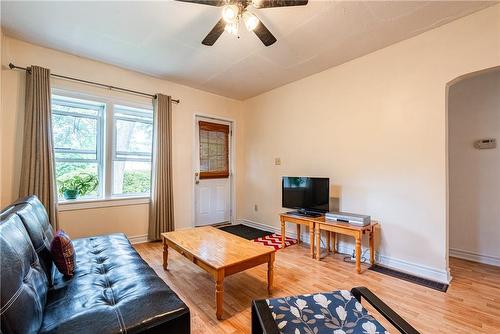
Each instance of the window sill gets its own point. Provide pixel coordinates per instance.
(71, 205)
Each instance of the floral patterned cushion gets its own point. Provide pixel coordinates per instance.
(335, 312)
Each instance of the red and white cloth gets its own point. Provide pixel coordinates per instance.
(274, 240)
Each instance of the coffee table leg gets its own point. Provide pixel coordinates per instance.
(270, 273)
(219, 293)
(165, 255)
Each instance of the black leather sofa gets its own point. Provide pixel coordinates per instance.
(113, 289)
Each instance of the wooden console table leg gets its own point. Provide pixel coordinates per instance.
(282, 234)
(328, 237)
(311, 239)
(372, 248)
(318, 243)
(219, 293)
(270, 273)
(334, 243)
(165, 255)
(298, 233)
(358, 253)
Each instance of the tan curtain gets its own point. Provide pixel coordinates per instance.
(37, 169)
(161, 207)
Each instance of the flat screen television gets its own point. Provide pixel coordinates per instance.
(308, 195)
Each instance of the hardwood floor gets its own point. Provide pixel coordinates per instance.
(471, 305)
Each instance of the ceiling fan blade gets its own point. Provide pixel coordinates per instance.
(278, 3)
(264, 34)
(215, 33)
(216, 3)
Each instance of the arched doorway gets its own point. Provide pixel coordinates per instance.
(473, 165)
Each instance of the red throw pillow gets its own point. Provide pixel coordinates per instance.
(63, 253)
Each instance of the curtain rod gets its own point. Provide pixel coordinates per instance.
(12, 66)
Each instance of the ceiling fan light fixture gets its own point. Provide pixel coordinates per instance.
(232, 28)
(230, 13)
(251, 21)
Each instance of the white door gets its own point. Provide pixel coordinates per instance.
(212, 175)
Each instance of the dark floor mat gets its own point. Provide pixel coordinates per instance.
(410, 278)
(246, 232)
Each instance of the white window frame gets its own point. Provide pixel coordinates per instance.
(99, 118)
(106, 140)
(114, 153)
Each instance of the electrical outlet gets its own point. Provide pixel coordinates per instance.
(277, 161)
(255, 208)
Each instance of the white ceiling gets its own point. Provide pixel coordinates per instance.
(163, 38)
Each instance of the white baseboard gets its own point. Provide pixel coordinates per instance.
(472, 256)
(442, 276)
(137, 239)
(434, 274)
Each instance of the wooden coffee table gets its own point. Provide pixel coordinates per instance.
(220, 254)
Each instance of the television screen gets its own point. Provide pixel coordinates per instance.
(306, 193)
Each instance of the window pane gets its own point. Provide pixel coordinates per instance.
(131, 177)
(203, 136)
(203, 165)
(133, 136)
(71, 105)
(83, 177)
(72, 156)
(75, 133)
(136, 114)
(203, 150)
(133, 156)
(75, 126)
(212, 137)
(213, 150)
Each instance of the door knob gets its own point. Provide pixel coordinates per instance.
(196, 178)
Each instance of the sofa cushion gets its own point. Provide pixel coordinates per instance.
(113, 290)
(23, 281)
(63, 253)
(332, 312)
(36, 221)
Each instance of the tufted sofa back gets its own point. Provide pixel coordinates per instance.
(36, 221)
(23, 280)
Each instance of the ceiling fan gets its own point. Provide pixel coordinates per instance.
(235, 11)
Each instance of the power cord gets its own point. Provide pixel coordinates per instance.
(350, 258)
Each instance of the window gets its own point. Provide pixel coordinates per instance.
(132, 147)
(101, 148)
(214, 158)
(76, 127)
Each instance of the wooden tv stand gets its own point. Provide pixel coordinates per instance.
(317, 224)
(299, 220)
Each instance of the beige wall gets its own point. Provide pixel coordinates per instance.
(129, 219)
(474, 113)
(377, 127)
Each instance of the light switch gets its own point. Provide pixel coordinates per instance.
(277, 161)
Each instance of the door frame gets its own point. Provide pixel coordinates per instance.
(232, 164)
